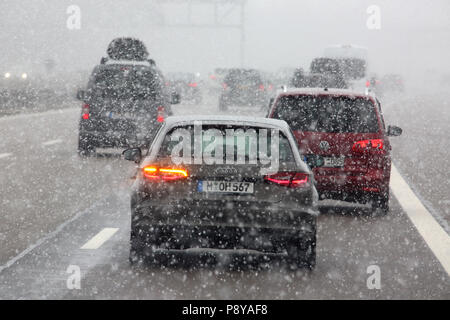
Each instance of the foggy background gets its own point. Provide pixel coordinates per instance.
(414, 39)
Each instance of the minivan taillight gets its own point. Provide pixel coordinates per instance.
(85, 111)
(288, 179)
(368, 145)
(164, 174)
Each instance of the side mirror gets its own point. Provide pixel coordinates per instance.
(81, 95)
(175, 98)
(394, 131)
(133, 154)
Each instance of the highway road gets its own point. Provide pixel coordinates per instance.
(60, 214)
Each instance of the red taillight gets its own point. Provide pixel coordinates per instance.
(160, 115)
(288, 179)
(366, 145)
(164, 174)
(367, 83)
(225, 86)
(192, 84)
(85, 111)
(261, 87)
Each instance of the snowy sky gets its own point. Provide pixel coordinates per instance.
(414, 35)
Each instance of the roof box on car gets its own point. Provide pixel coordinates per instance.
(127, 49)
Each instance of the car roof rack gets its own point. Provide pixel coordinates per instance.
(147, 62)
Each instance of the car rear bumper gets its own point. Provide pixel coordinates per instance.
(376, 181)
(250, 99)
(227, 214)
(105, 139)
(182, 237)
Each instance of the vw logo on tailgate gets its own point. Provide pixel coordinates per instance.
(324, 145)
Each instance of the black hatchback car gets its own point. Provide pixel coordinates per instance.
(123, 102)
(243, 87)
(221, 193)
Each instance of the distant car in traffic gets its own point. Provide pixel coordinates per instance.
(343, 137)
(186, 84)
(124, 101)
(17, 89)
(214, 81)
(243, 87)
(227, 198)
(391, 83)
(326, 73)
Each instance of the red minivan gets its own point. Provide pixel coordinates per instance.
(342, 136)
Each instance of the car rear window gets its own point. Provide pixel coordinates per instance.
(325, 65)
(285, 151)
(126, 83)
(336, 114)
(243, 78)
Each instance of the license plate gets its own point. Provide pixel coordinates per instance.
(333, 162)
(116, 115)
(225, 187)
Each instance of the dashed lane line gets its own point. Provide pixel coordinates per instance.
(98, 204)
(51, 142)
(5, 155)
(100, 238)
(434, 235)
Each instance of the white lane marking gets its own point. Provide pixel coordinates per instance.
(5, 155)
(100, 238)
(434, 235)
(98, 204)
(51, 142)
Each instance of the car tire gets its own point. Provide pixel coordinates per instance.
(140, 250)
(85, 147)
(379, 204)
(223, 106)
(302, 254)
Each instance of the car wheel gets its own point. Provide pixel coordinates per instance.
(379, 204)
(222, 105)
(85, 147)
(140, 250)
(302, 254)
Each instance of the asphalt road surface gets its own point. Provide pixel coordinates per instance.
(60, 214)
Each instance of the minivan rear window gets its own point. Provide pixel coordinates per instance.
(335, 114)
(125, 83)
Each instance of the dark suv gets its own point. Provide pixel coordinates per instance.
(124, 102)
(243, 87)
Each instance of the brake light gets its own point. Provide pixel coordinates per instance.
(192, 84)
(164, 174)
(160, 115)
(261, 87)
(288, 179)
(365, 145)
(367, 83)
(85, 111)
